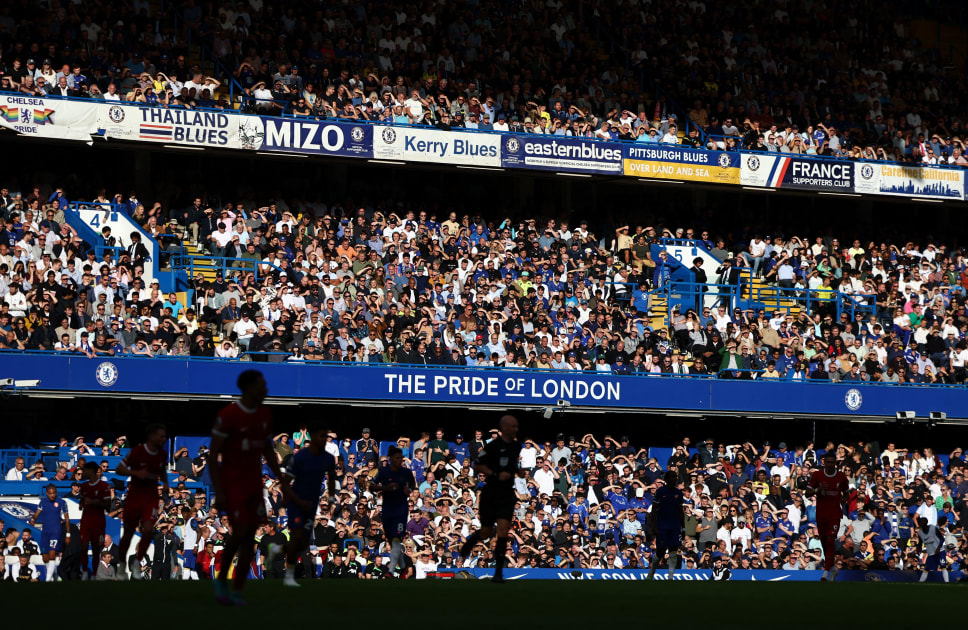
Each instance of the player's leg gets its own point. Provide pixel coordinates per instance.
(86, 543)
(488, 515)
(673, 559)
(298, 542)
(245, 555)
(827, 531)
(97, 546)
(484, 533)
(147, 530)
(657, 557)
(129, 524)
(501, 547)
(50, 544)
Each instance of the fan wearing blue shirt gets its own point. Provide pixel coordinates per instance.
(763, 522)
(54, 526)
(394, 482)
(302, 485)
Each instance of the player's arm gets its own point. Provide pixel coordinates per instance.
(33, 519)
(124, 468)
(331, 484)
(67, 521)
(215, 447)
(272, 459)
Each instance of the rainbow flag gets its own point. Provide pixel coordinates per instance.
(42, 117)
(10, 114)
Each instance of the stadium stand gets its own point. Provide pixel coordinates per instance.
(541, 67)
(309, 282)
(283, 279)
(582, 504)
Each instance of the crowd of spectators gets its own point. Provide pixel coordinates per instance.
(566, 67)
(317, 283)
(583, 503)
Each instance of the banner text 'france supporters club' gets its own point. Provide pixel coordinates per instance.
(772, 171)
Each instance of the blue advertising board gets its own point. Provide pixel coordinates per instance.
(772, 170)
(342, 382)
(303, 135)
(561, 153)
(692, 575)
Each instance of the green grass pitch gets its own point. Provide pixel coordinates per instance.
(480, 604)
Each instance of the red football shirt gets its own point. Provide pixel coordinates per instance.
(246, 433)
(100, 491)
(141, 458)
(831, 492)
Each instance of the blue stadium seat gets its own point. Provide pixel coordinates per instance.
(385, 448)
(661, 454)
(191, 442)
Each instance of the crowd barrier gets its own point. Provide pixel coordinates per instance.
(70, 119)
(491, 388)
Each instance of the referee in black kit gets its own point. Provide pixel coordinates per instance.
(498, 461)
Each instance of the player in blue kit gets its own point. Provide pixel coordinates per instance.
(669, 521)
(394, 482)
(55, 526)
(302, 485)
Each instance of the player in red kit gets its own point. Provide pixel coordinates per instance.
(242, 435)
(95, 499)
(146, 465)
(831, 488)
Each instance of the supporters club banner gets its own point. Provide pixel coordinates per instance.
(49, 117)
(682, 164)
(560, 153)
(770, 170)
(172, 126)
(307, 136)
(433, 145)
(909, 181)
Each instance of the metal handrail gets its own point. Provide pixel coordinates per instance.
(224, 264)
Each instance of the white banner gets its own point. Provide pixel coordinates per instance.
(909, 181)
(172, 126)
(433, 145)
(49, 117)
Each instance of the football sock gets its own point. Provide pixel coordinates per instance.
(396, 552)
(468, 546)
(500, 552)
(290, 573)
(143, 545)
(944, 575)
(673, 563)
(51, 571)
(924, 576)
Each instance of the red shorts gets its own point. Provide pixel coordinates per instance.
(140, 509)
(92, 533)
(828, 524)
(245, 508)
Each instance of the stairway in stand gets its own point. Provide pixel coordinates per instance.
(771, 298)
(203, 267)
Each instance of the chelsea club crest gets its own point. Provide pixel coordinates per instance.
(853, 399)
(106, 374)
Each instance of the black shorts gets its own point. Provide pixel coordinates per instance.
(496, 503)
